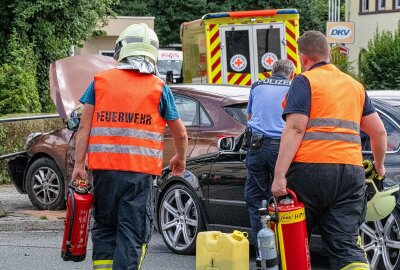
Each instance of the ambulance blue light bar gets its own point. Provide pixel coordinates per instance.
(250, 13)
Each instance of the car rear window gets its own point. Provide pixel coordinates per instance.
(238, 112)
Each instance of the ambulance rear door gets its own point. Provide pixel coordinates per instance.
(249, 51)
(269, 47)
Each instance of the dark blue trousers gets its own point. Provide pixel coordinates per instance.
(123, 209)
(260, 164)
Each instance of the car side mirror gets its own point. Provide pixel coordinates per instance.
(73, 124)
(226, 144)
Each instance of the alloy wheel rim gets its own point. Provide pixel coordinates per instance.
(381, 241)
(179, 219)
(46, 185)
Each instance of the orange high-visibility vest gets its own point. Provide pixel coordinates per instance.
(333, 130)
(127, 128)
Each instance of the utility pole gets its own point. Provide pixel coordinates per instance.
(334, 11)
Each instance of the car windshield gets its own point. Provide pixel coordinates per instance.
(238, 112)
(169, 65)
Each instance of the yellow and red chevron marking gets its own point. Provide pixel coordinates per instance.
(215, 46)
(264, 75)
(291, 37)
(239, 78)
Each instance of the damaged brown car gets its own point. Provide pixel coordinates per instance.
(209, 113)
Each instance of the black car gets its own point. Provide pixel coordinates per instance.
(210, 196)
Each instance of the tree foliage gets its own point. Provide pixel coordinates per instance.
(170, 15)
(379, 63)
(48, 28)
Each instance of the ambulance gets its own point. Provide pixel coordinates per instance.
(169, 60)
(238, 48)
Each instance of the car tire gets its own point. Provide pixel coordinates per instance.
(381, 241)
(180, 219)
(45, 185)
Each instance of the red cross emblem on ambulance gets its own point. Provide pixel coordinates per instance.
(268, 60)
(238, 62)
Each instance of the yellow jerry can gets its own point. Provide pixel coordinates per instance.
(222, 251)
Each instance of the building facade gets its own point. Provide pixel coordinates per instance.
(368, 17)
(104, 45)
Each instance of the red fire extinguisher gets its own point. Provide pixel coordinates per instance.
(76, 230)
(291, 232)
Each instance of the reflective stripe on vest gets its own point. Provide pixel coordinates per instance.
(125, 149)
(127, 128)
(333, 130)
(126, 132)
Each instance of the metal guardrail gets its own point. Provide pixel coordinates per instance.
(24, 118)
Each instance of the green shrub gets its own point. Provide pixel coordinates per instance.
(14, 134)
(342, 62)
(18, 87)
(379, 63)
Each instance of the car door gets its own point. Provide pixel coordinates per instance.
(188, 109)
(226, 191)
(392, 158)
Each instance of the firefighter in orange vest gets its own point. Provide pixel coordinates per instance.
(320, 153)
(121, 130)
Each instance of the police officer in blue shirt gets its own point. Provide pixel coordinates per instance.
(266, 125)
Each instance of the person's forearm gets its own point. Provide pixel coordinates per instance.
(378, 147)
(180, 143)
(290, 142)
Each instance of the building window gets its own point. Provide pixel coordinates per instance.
(380, 5)
(396, 4)
(107, 53)
(364, 5)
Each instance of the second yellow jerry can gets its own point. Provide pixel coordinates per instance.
(222, 251)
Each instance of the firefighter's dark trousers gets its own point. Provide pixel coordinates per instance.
(333, 195)
(123, 219)
(260, 164)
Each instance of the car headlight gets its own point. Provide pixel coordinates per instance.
(31, 137)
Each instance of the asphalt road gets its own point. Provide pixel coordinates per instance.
(20, 250)
(29, 244)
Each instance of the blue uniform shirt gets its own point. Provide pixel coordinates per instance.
(166, 107)
(265, 106)
(299, 97)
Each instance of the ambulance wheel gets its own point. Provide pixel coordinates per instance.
(381, 241)
(45, 185)
(180, 219)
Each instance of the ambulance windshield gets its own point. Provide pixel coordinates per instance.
(169, 65)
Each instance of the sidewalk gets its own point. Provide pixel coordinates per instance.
(22, 216)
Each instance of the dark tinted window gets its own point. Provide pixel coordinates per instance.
(393, 136)
(238, 112)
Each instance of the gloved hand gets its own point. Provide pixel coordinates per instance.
(370, 172)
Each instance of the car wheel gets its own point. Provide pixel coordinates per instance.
(180, 219)
(381, 240)
(45, 185)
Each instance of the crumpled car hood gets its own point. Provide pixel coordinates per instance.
(69, 78)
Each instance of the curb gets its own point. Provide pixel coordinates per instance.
(12, 224)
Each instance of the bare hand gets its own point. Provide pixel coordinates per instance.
(177, 165)
(279, 187)
(79, 174)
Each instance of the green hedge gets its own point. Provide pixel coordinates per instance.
(379, 63)
(14, 134)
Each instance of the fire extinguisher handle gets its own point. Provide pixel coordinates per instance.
(293, 195)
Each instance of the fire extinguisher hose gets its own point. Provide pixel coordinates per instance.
(275, 204)
(71, 222)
